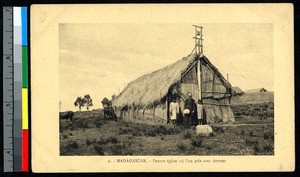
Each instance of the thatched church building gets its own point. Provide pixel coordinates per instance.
(148, 97)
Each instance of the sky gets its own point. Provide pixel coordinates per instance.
(100, 59)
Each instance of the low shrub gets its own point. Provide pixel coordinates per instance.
(89, 142)
(151, 133)
(243, 132)
(213, 134)
(187, 135)
(128, 152)
(261, 114)
(72, 145)
(82, 124)
(99, 123)
(197, 142)
(117, 149)
(161, 130)
(166, 130)
(268, 148)
(251, 133)
(218, 129)
(99, 149)
(136, 133)
(256, 149)
(238, 114)
(257, 109)
(111, 139)
(181, 146)
(251, 142)
(124, 131)
(268, 135)
(61, 128)
(209, 148)
(126, 124)
(263, 149)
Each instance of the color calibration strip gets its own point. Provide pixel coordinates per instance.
(15, 89)
(25, 138)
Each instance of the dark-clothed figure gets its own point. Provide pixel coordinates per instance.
(109, 113)
(189, 110)
(179, 120)
(108, 110)
(204, 121)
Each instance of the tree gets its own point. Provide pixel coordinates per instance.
(79, 102)
(88, 101)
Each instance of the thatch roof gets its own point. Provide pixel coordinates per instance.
(154, 86)
(238, 90)
(257, 90)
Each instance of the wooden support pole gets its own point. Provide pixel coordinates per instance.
(196, 40)
(201, 40)
(199, 79)
(199, 87)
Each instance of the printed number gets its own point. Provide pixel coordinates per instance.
(8, 57)
(7, 104)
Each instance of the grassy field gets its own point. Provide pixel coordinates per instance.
(253, 98)
(90, 134)
(254, 113)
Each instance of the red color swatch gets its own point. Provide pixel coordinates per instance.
(25, 150)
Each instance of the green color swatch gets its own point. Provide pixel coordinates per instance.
(24, 67)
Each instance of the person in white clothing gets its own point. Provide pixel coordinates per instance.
(174, 110)
(200, 112)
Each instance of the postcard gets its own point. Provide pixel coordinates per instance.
(162, 88)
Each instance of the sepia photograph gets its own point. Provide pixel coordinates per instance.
(166, 89)
(162, 88)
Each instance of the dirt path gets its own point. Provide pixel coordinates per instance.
(230, 125)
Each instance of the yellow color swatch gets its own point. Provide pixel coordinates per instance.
(24, 109)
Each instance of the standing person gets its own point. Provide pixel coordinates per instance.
(108, 110)
(174, 110)
(200, 112)
(189, 110)
(179, 120)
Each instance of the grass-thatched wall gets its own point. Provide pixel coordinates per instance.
(218, 110)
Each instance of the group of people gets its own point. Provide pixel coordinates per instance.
(192, 115)
(108, 111)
